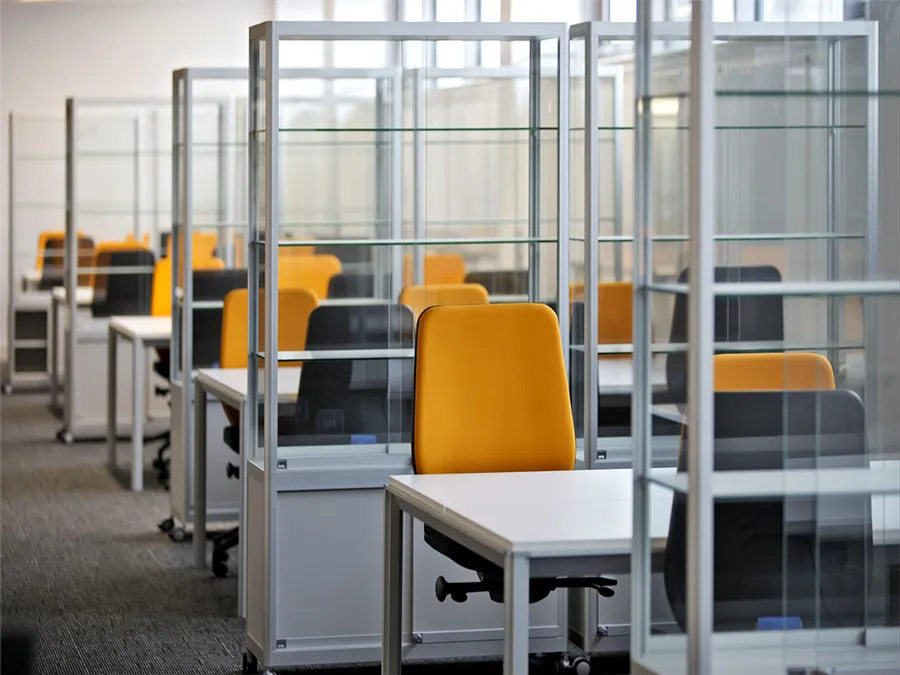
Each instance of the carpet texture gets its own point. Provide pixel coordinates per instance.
(85, 570)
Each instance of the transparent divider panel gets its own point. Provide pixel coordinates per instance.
(805, 471)
(38, 199)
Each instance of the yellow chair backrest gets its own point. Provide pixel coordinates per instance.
(294, 307)
(420, 298)
(313, 272)
(45, 241)
(131, 239)
(161, 295)
(106, 247)
(778, 371)
(203, 245)
(491, 392)
(440, 268)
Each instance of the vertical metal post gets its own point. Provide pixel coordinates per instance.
(640, 405)
(591, 246)
(700, 348)
(177, 150)
(11, 262)
(832, 205)
(70, 263)
(396, 194)
(186, 269)
(270, 421)
(223, 235)
(618, 225)
(154, 182)
(870, 305)
(136, 155)
(250, 422)
(419, 122)
(534, 170)
(562, 190)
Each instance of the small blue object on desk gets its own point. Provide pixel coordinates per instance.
(779, 623)
(362, 439)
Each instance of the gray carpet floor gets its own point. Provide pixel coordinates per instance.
(85, 570)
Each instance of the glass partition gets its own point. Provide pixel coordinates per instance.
(447, 182)
(117, 196)
(756, 276)
(36, 220)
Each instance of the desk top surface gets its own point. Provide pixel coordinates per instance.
(232, 382)
(565, 513)
(541, 514)
(84, 295)
(142, 327)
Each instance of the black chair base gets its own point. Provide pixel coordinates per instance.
(538, 588)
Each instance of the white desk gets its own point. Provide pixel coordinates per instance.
(142, 332)
(532, 524)
(615, 377)
(228, 386)
(541, 524)
(84, 296)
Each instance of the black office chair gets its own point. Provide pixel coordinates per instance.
(343, 286)
(348, 255)
(52, 272)
(350, 402)
(208, 286)
(126, 293)
(751, 318)
(765, 548)
(501, 282)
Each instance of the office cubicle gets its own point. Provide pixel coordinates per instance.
(794, 493)
(440, 140)
(116, 195)
(36, 215)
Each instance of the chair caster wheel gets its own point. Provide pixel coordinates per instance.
(66, 437)
(177, 535)
(579, 665)
(249, 665)
(166, 525)
(7, 389)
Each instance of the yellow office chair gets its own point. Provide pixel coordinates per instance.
(103, 250)
(131, 239)
(313, 272)
(491, 395)
(54, 240)
(440, 268)
(161, 297)
(203, 245)
(420, 298)
(294, 307)
(778, 371)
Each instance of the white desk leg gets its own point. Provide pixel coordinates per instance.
(516, 582)
(111, 426)
(392, 587)
(199, 473)
(242, 538)
(139, 368)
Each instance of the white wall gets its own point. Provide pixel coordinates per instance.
(114, 49)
